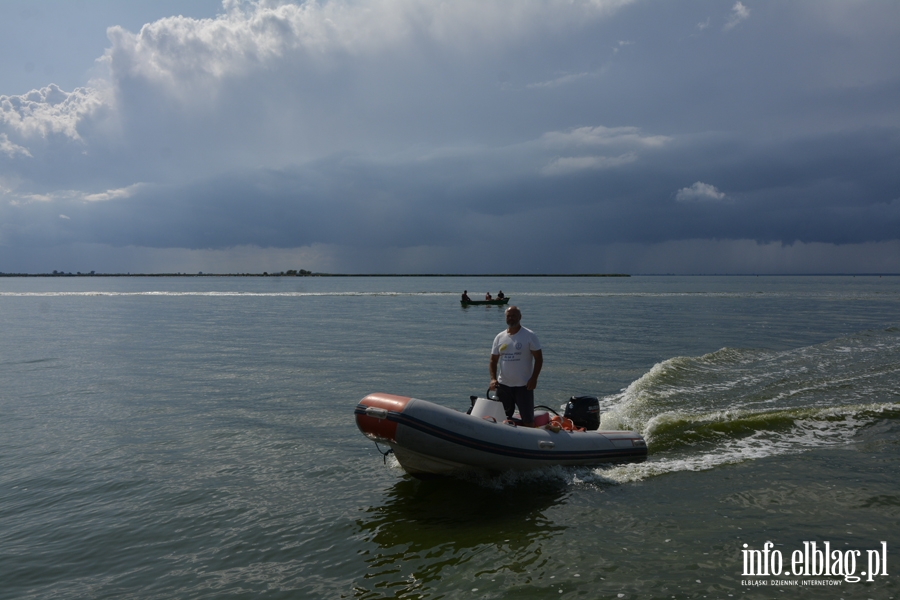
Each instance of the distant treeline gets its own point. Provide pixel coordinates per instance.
(305, 273)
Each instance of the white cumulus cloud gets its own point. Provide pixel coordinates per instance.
(10, 149)
(739, 13)
(191, 56)
(271, 83)
(699, 192)
(50, 110)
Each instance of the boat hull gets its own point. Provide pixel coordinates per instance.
(499, 302)
(429, 439)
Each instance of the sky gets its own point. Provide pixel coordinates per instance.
(467, 136)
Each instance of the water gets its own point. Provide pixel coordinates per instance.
(193, 437)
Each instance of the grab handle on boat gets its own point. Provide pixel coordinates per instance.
(376, 412)
(545, 445)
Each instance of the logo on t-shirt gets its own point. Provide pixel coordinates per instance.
(518, 345)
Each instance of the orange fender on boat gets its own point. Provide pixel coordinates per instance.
(373, 416)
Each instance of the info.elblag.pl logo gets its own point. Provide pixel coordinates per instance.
(814, 560)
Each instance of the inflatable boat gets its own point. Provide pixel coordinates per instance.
(431, 440)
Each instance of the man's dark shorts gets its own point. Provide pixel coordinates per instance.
(520, 397)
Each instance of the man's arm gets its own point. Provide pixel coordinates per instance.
(538, 363)
(495, 358)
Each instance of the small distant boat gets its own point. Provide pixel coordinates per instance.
(429, 439)
(496, 301)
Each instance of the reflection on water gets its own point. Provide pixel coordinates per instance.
(426, 528)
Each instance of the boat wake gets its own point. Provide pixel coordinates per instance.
(735, 405)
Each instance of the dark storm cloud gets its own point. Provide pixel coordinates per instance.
(370, 129)
(834, 189)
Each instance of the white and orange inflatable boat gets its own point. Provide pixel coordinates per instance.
(429, 439)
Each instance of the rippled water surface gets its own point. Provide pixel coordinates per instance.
(194, 437)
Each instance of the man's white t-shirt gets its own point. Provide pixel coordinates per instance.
(516, 362)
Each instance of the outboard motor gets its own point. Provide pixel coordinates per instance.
(584, 412)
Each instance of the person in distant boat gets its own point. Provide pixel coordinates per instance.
(500, 295)
(487, 296)
(465, 296)
(516, 362)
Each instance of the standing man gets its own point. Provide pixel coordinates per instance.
(517, 353)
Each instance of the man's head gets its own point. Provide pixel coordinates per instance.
(513, 316)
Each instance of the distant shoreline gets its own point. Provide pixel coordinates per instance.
(458, 275)
(289, 274)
